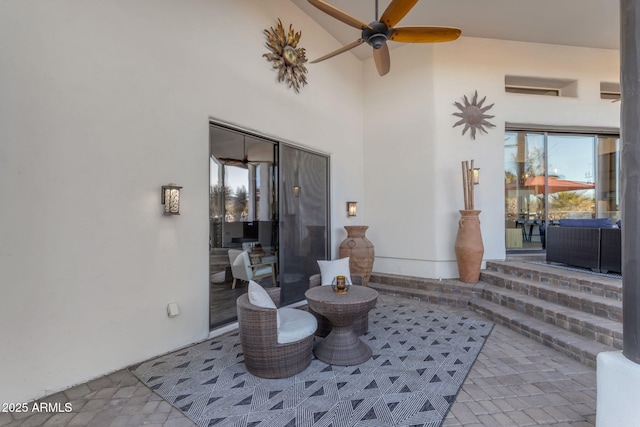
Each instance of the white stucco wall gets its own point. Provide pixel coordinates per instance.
(413, 152)
(102, 103)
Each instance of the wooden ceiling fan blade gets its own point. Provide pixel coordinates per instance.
(396, 10)
(339, 51)
(339, 15)
(228, 161)
(382, 59)
(424, 34)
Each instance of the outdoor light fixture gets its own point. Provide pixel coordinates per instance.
(351, 208)
(476, 176)
(171, 199)
(296, 191)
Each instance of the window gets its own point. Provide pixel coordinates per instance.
(610, 91)
(541, 86)
(551, 175)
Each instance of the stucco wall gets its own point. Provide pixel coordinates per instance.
(413, 152)
(102, 103)
(105, 101)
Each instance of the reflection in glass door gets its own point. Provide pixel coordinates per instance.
(608, 178)
(524, 189)
(304, 218)
(268, 200)
(550, 176)
(570, 182)
(242, 210)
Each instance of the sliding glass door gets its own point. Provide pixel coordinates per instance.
(269, 207)
(551, 176)
(304, 218)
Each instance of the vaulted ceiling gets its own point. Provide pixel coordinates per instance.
(585, 23)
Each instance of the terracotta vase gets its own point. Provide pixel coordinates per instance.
(360, 251)
(469, 247)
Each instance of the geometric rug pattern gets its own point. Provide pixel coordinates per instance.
(419, 363)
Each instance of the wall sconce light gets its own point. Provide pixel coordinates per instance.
(476, 176)
(296, 191)
(171, 199)
(352, 208)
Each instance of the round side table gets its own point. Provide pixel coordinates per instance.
(342, 346)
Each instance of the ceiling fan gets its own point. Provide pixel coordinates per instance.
(230, 161)
(379, 31)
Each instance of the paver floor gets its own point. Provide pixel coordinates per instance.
(514, 382)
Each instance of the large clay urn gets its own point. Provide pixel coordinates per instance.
(469, 247)
(360, 251)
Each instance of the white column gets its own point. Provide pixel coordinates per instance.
(618, 373)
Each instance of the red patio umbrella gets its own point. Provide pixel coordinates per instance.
(556, 185)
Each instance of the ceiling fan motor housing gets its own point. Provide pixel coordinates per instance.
(377, 35)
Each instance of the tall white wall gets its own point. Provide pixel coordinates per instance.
(102, 103)
(413, 152)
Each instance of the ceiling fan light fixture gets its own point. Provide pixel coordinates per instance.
(377, 41)
(377, 35)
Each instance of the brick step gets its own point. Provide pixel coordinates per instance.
(609, 287)
(590, 326)
(590, 303)
(451, 297)
(419, 283)
(575, 346)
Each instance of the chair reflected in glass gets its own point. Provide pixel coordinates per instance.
(242, 267)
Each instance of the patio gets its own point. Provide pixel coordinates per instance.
(515, 381)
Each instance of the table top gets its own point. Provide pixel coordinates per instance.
(325, 294)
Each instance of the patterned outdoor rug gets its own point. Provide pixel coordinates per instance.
(420, 360)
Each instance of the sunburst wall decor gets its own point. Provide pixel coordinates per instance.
(472, 115)
(286, 56)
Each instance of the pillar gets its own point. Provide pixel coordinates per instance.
(630, 175)
(618, 373)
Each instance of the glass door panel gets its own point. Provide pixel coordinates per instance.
(304, 219)
(570, 182)
(549, 177)
(524, 189)
(608, 178)
(242, 212)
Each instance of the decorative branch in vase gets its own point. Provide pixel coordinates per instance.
(469, 175)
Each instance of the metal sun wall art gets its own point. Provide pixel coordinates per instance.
(472, 115)
(287, 58)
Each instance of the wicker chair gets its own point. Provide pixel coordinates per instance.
(361, 324)
(263, 355)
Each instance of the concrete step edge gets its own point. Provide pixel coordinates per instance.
(502, 280)
(555, 274)
(576, 346)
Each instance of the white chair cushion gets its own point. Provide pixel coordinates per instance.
(330, 269)
(260, 298)
(239, 258)
(295, 325)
